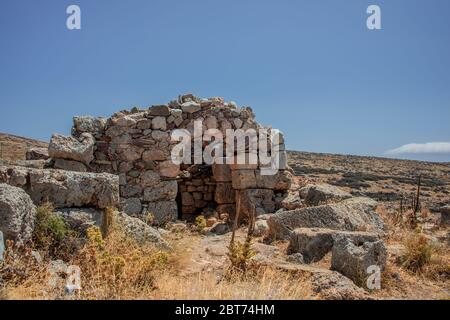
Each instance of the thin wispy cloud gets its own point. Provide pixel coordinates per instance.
(422, 148)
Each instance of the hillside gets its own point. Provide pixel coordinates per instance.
(13, 148)
(383, 179)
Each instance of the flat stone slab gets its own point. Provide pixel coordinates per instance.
(64, 189)
(315, 243)
(349, 215)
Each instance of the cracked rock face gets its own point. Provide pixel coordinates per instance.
(65, 189)
(69, 148)
(314, 195)
(353, 260)
(17, 213)
(315, 243)
(353, 214)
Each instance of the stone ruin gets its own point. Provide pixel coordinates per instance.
(126, 161)
(136, 145)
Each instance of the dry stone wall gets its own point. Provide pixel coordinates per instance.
(136, 145)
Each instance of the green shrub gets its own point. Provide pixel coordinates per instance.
(52, 235)
(200, 223)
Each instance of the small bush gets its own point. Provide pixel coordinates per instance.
(52, 235)
(149, 218)
(240, 254)
(200, 223)
(419, 251)
(116, 266)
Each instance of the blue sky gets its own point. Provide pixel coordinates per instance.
(310, 68)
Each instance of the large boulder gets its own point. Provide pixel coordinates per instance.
(289, 200)
(334, 286)
(69, 165)
(140, 231)
(64, 189)
(322, 193)
(69, 148)
(80, 219)
(354, 259)
(315, 243)
(17, 213)
(355, 214)
(89, 124)
(37, 154)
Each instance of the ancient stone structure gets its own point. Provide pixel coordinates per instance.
(136, 145)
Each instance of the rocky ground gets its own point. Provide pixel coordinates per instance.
(382, 179)
(339, 218)
(14, 148)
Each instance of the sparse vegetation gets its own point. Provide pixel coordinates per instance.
(52, 235)
(419, 251)
(200, 223)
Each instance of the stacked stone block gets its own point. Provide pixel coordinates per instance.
(136, 145)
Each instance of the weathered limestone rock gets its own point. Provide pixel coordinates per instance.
(17, 213)
(315, 243)
(353, 260)
(65, 189)
(334, 286)
(37, 154)
(190, 107)
(289, 201)
(168, 169)
(163, 211)
(261, 228)
(14, 176)
(69, 148)
(69, 165)
(159, 123)
(140, 231)
(321, 193)
(89, 124)
(251, 179)
(159, 110)
(225, 193)
(81, 219)
(164, 190)
(260, 200)
(354, 214)
(132, 206)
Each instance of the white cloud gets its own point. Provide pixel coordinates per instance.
(422, 148)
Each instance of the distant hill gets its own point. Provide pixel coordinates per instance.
(13, 148)
(382, 179)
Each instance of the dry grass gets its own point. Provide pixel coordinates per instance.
(265, 283)
(115, 267)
